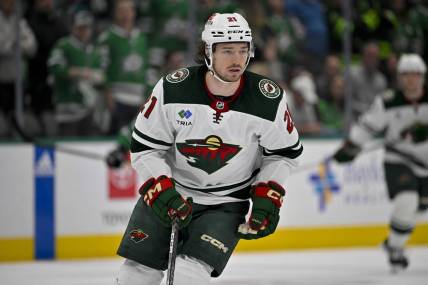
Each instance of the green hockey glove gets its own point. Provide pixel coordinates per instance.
(160, 195)
(417, 132)
(267, 200)
(347, 152)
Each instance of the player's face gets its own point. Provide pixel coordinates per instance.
(83, 33)
(412, 84)
(125, 13)
(229, 60)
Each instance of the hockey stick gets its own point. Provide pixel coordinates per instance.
(27, 138)
(172, 252)
(310, 165)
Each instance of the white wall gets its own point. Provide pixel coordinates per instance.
(16, 190)
(83, 205)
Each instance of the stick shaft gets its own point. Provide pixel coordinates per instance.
(172, 253)
(60, 148)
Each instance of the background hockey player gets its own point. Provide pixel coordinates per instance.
(403, 117)
(220, 136)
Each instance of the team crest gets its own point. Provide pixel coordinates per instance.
(178, 75)
(138, 235)
(269, 88)
(209, 154)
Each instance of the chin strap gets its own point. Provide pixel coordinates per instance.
(218, 77)
(209, 64)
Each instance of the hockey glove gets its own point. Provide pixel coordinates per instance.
(417, 132)
(347, 152)
(160, 195)
(267, 200)
(117, 157)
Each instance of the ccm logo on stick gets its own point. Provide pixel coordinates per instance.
(214, 242)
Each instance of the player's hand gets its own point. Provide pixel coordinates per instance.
(117, 157)
(347, 152)
(267, 200)
(160, 195)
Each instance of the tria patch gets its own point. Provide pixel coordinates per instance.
(269, 88)
(184, 117)
(138, 235)
(178, 75)
(209, 154)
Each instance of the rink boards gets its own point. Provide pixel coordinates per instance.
(58, 205)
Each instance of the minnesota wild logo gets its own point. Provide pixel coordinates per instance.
(269, 88)
(178, 75)
(209, 154)
(138, 235)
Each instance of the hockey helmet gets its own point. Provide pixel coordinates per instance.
(411, 63)
(223, 28)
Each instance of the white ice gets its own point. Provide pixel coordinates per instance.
(314, 267)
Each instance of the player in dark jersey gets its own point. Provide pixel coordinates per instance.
(209, 139)
(402, 115)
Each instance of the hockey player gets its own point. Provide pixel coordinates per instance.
(209, 139)
(403, 117)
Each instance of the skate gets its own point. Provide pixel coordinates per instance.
(397, 259)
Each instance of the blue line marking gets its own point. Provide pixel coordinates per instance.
(44, 228)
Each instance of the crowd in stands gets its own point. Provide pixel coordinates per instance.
(90, 64)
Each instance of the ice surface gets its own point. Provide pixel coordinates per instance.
(312, 267)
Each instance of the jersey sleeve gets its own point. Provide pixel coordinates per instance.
(58, 63)
(281, 146)
(152, 137)
(369, 123)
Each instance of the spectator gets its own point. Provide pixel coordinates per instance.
(366, 80)
(332, 69)
(75, 68)
(48, 27)
(302, 102)
(315, 47)
(331, 109)
(124, 55)
(8, 68)
(174, 60)
(389, 69)
(287, 30)
(268, 63)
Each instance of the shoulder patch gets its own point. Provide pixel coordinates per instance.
(269, 88)
(178, 75)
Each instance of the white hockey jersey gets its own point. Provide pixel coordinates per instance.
(215, 147)
(404, 126)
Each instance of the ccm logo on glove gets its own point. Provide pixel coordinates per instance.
(160, 195)
(155, 189)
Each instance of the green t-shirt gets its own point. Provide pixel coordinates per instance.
(69, 52)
